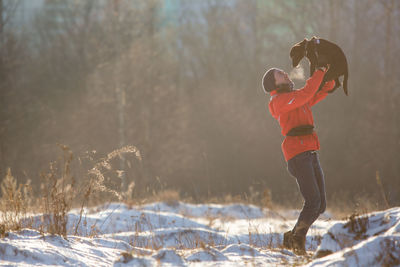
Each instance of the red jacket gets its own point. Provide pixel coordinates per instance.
(294, 109)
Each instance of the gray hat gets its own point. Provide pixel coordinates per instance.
(268, 81)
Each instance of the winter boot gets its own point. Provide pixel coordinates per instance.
(299, 244)
(288, 240)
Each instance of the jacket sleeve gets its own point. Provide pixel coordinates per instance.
(323, 93)
(299, 97)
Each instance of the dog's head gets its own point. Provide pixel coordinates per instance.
(311, 49)
(297, 52)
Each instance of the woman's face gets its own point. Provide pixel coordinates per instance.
(281, 77)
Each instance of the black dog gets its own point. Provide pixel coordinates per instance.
(321, 52)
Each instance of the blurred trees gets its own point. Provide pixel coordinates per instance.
(181, 80)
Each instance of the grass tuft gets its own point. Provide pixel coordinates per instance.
(14, 202)
(59, 193)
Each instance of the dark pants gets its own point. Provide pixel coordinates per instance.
(306, 169)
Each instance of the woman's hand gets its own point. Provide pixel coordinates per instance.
(324, 68)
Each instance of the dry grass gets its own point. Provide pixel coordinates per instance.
(14, 203)
(59, 193)
(343, 204)
(390, 255)
(358, 225)
(169, 196)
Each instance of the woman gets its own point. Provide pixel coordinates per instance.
(292, 109)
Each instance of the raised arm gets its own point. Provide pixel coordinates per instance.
(300, 97)
(322, 93)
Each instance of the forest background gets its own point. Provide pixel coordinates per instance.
(181, 81)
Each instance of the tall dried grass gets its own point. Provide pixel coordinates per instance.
(14, 202)
(59, 193)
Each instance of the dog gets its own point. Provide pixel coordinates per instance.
(321, 52)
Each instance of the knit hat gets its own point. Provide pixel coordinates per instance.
(268, 81)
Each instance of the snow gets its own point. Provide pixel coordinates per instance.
(182, 234)
(372, 239)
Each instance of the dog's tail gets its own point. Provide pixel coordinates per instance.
(346, 76)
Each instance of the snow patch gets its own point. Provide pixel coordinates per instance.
(182, 234)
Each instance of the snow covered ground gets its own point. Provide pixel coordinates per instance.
(182, 234)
